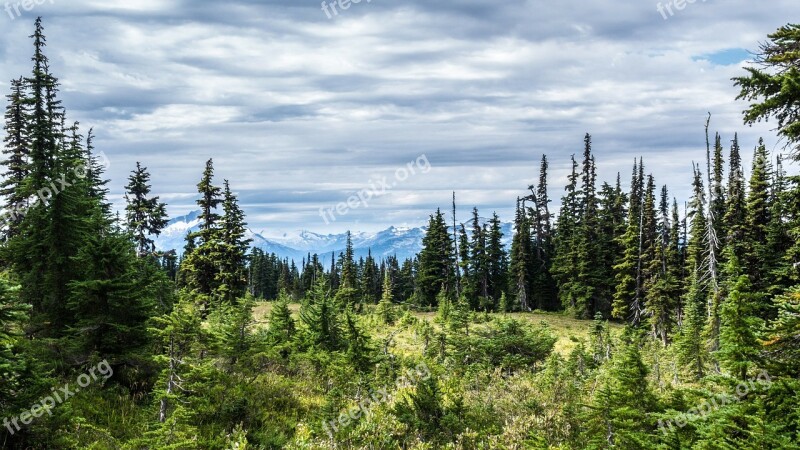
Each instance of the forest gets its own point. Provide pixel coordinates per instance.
(625, 318)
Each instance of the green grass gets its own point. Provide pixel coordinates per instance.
(568, 330)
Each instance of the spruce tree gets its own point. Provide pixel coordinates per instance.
(628, 270)
(736, 207)
(660, 284)
(565, 261)
(542, 285)
(757, 218)
(201, 265)
(497, 261)
(16, 152)
(521, 262)
(112, 300)
(145, 216)
(385, 309)
(771, 84)
(740, 326)
(232, 276)
(436, 262)
(348, 294)
(282, 327)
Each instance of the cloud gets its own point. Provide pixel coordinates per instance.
(299, 111)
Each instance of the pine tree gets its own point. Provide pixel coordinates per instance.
(370, 280)
(775, 84)
(111, 301)
(16, 163)
(585, 287)
(690, 342)
(628, 270)
(521, 261)
(717, 198)
(736, 207)
(359, 351)
(436, 262)
(13, 319)
(648, 238)
(232, 276)
(385, 309)
(777, 267)
(758, 218)
(322, 327)
(467, 284)
(621, 410)
(782, 337)
(347, 294)
(543, 289)
(660, 284)
(201, 266)
(177, 334)
(282, 327)
(677, 261)
(145, 216)
(478, 264)
(497, 261)
(740, 326)
(565, 261)
(611, 227)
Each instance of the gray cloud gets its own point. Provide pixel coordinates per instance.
(299, 111)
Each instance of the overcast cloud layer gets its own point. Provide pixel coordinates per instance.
(300, 111)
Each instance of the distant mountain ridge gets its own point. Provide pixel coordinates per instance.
(394, 241)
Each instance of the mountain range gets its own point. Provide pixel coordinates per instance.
(403, 242)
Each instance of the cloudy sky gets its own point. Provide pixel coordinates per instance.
(301, 110)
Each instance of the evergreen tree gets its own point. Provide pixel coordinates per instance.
(282, 327)
(757, 218)
(370, 280)
(628, 293)
(690, 343)
(611, 228)
(347, 294)
(587, 246)
(777, 267)
(201, 266)
(736, 208)
(435, 262)
(112, 300)
(542, 286)
(16, 153)
(565, 263)
(621, 411)
(385, 309)
(478, 264)
(660, 284)
(521, 261)
(145, 216)
(322, 327)
(497, 261)
(775, 84)
(232, 276)
(740, 326)
(782, 337)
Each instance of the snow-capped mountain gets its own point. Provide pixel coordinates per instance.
(402, 242)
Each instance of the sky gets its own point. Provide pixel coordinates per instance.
(303, 105)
